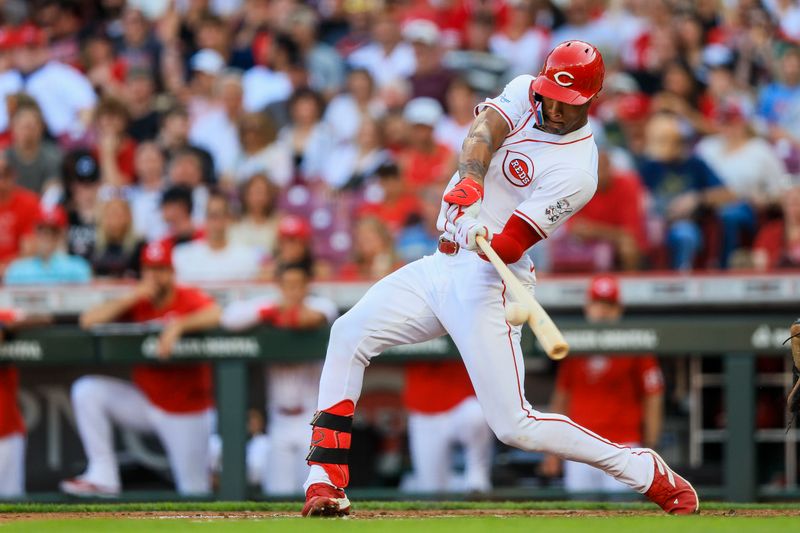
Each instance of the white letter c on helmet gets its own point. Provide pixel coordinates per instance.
(566, 74)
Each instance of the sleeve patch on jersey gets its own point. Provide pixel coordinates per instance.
(557, 210)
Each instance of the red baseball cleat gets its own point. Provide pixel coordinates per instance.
(670, 491)
(325, 500)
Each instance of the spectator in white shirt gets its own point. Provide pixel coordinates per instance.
(217, 131)
(64, 94)
(215, 258)
(263, 83)
(261, 154)
(10, 80)
(258, 224)
(452, 129)
(522, 43)
(351, 165)
(206, 67)
(145, 196)
(387, 57)
(345, 111)
(748, 166)
(307, 137)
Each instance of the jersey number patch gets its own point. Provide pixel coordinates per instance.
(518, 169)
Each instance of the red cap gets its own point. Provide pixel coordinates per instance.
(294, 227)
(572, 73)
(7, 39)
(30, 35)
(157, 254)
(632, 107)
(53, 217)
(604, 289)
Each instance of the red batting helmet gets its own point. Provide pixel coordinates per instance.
(572, 73)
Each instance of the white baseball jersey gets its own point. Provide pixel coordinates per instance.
(541, 177)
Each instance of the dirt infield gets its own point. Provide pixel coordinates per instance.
(379, 514)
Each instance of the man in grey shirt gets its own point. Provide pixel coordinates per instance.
(35, 160)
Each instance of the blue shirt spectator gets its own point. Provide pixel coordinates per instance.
(779, 101)
(667, 180)
(49, 265)
(58, 268)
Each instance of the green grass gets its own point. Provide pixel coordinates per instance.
(625, 524)
(214, 520)
(282, 507)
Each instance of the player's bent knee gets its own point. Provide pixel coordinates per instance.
(347, 338)
(85, 389)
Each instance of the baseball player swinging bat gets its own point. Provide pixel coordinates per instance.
(528, 163)
(540, 322)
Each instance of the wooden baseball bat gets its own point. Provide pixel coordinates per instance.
(540, 322)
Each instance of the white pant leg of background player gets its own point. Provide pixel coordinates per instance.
(185, 438)
(430, 442)
(472, 312)
(394, 311)
(12, 465)
(99, 402)
(470, 429)
(286, 467)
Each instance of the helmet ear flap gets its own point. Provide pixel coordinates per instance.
(536, 106)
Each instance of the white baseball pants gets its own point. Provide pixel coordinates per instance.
(431, 438)
(100, 401)
(464, 296)
(12, 466)
(579, 477)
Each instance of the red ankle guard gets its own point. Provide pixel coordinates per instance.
(330, 441)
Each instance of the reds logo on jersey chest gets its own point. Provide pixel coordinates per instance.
(518, 168)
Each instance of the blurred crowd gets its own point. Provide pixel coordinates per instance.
(250, 133)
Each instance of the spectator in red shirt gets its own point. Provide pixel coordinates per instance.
(396, 206)
(621, 397)
(777, 244)
(19, 209)
(425, 161)
(114, 148)
(614, 216)
(443, 411)
(172, 400)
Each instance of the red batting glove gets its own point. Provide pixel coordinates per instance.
(465, 193)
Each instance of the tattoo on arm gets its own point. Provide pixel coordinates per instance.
(484, 138)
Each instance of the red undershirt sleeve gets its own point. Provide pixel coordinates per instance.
(516, 237)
